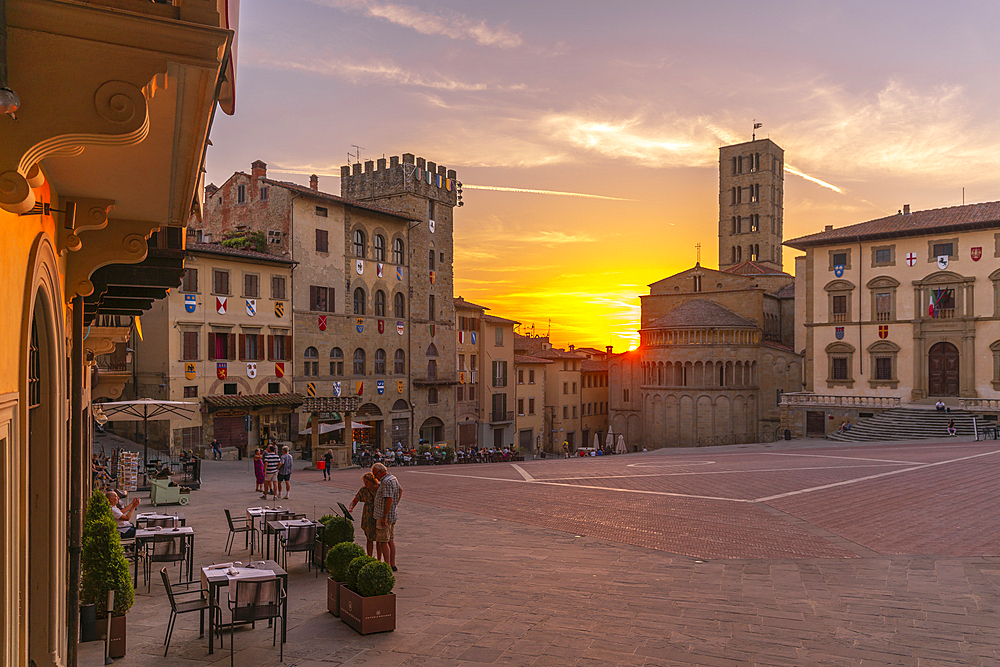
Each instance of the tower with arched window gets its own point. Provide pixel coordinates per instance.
(751, 195)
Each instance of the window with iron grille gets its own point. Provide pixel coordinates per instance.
(883, 368)
(359, 361)
(191, 392)
(336, 362)
(839, 368)
(379, 303)
(380, 362)
(359, 301)
(397, 251)
(379, 243)
(399, 363)
(359, 243)
(310, 365)
(34, 369)
(399, 305)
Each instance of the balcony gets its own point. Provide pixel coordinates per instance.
(501, 417)
(839, 318)
(944, 313)
(433, 380)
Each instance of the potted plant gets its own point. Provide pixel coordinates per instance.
(367, 602)
(104, 569)
(337, 560)
(336, 529)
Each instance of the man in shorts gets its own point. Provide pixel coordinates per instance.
(386, 500)
(285, 471)
(271, 464)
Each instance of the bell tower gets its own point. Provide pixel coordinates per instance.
(751, 195)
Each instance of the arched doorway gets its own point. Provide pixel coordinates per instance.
(369, 414)
(431, 431)
(942, 370)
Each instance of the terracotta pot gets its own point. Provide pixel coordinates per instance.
(116, 648)
(368, 615)
(333, 596)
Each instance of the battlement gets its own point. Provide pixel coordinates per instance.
(376, 179)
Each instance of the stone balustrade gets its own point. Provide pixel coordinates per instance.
(827, 400)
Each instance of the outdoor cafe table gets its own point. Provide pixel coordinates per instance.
(214, 577)
(144, 534)
(278, 527)
(144, 517)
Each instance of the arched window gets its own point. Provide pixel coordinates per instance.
(359, 301)
(399, 305)
(380, 362)
(734, 224)
(397, 251)
(432, 369)
(734, 254)
(379, 242)
(336, 361)
(432, 395)
(359, 243)
(359, 361)
(379, 303)
(399, 363)
(739, 253)
(431, 310)
(739, 224)
(430, 259)
(311, 365)
(432, 350)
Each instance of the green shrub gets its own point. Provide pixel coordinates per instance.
(449, 454)
(102, 560)
(423, 449)
(375, 579)
(325, 519)
(340, 556)
(338, 529)
(354, 568)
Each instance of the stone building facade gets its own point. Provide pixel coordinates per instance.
(896, 310)
(751, 193)
(593, 395)
(563, 382)
(532, 432)
(468, 317)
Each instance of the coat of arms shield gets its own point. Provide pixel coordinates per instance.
(360, 324)
(839, 333)
(251, 369)
(190, 302)
(942, 262)
(221, 370)
(838, 270)
(977, 254)
(381, 326)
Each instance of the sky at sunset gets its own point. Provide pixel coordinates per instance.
(877, 104)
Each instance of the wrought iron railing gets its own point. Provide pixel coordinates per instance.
(502, 416)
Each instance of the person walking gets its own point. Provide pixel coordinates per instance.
(327, 464)
(366, 495)
(216, 450)
(271, 464)
(386, 501)
(285, 471)
(258, 469)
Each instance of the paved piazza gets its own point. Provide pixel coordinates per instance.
(796, 553)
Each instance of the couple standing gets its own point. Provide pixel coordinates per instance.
(381, 495)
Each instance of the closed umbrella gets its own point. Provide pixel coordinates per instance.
(597, 442)
(620, 449)
(609, 442)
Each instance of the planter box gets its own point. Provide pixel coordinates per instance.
(368, 615)
(333, 596)
(116, 647)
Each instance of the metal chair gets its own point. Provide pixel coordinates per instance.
(245, 526)
(297, 539)
(163, 522)
(202, 604)
(164, 548)
(257, 600)
(134, 552)
(272, 515)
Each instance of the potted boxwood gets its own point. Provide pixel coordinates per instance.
(336, 529)
(104, 569)
(367, 602)
(337, 560)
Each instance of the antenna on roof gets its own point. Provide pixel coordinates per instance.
(549, 329)
(355, 157)
(697, 247)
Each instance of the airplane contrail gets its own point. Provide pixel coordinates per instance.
(792, 170)
(495, 188)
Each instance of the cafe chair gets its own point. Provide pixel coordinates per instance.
(164, 548)
(135, 553)
(245, 526)
(297, 539)
(162, 522)
(201, 604)
(257, 600)
(272, 515)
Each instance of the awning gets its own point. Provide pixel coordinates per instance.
(329, 428)
(254, 400)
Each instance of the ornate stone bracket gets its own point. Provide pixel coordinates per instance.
(110, 384)
(102, 340)
(91, 214)
(119, 116)
(119, 242)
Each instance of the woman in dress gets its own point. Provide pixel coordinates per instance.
(258, 469)
(367, 496)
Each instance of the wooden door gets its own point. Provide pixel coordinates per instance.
(815, 424)
(231, 432)
(942, 367)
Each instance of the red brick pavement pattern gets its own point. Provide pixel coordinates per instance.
(947, 509)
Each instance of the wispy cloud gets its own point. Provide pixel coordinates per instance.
(448, 24)
(559, 238)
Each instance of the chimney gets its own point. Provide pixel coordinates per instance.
(314, 182)
(609, 348)
(906, 209)
(258, 170)
(572, 348)
(828, 228)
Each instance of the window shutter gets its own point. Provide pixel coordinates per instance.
(330, 302)
(259, 352)
(313, 297)
(232, 346)
(288, 348)
(243, 347)
(211, 346)
(270, 348)
(505, 375)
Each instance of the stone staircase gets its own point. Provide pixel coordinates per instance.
(909, 423)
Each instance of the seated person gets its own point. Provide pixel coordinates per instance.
(123, 516)
(951, 427)
(939, 406)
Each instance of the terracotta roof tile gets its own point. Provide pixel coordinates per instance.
(934, 221)
(525, 359)
(254, 400)
(462, 303)
(219, 249)
(301, 189)
(556, 354)
(700, 313)
(497, 319)
(786, 292)
(589, 366)
(753, 269)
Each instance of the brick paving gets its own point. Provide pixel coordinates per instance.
(901, 569)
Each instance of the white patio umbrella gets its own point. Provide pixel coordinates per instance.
(620, 448)
(609, 442)
(597, 442)
(329, 428)
(145, 409)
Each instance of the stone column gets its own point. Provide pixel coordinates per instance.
(314, 436)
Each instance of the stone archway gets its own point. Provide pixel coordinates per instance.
(943, 370)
